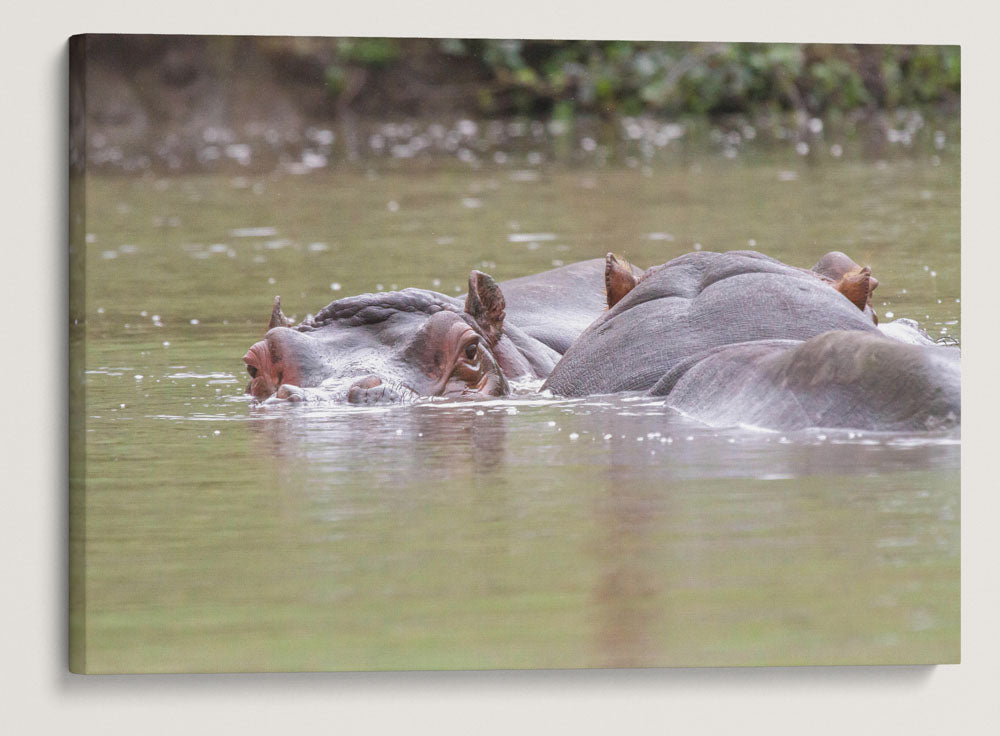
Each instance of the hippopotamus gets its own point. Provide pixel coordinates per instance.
(400, 345)
(741, 338)
(842, 379)
(695, 302)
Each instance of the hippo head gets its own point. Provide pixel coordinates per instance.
(701, 301)
(389, 347)
(838, 269)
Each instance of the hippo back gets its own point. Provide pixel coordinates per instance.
(841, 379)
(694, 303)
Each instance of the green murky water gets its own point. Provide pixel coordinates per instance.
(514, 534)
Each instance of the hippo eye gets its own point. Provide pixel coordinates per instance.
(471, 350)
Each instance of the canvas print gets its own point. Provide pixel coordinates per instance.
(420, 354)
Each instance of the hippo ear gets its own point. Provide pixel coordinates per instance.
(834, 265)
(278, 319)
(485, 304)
(857, 286)
(618, 278)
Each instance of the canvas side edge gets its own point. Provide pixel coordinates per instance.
(77, 235)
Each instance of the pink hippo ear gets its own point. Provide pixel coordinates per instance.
(618, 278)
(486, 305)
(278, 319)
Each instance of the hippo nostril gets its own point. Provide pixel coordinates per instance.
(363, 391)
(252, 361)
(367, 382)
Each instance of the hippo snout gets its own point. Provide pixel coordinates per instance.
(260, 369)
(283, 356)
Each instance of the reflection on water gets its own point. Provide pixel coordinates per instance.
(525, 532)
(436, 438)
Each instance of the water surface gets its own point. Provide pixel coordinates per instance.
(528, 532)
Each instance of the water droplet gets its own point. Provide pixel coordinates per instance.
(335, 286)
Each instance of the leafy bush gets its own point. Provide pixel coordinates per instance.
(709, 78)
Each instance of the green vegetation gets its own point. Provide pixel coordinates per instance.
(628, 77)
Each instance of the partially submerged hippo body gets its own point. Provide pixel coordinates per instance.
(842, 379)
(395, 346)
(740, 338)
(693, 303)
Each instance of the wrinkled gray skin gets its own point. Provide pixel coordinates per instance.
(840, 379)
(741, 339)
(396, 346)
(693, 303)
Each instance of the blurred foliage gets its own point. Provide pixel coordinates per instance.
(627, 77)
(371, 52)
